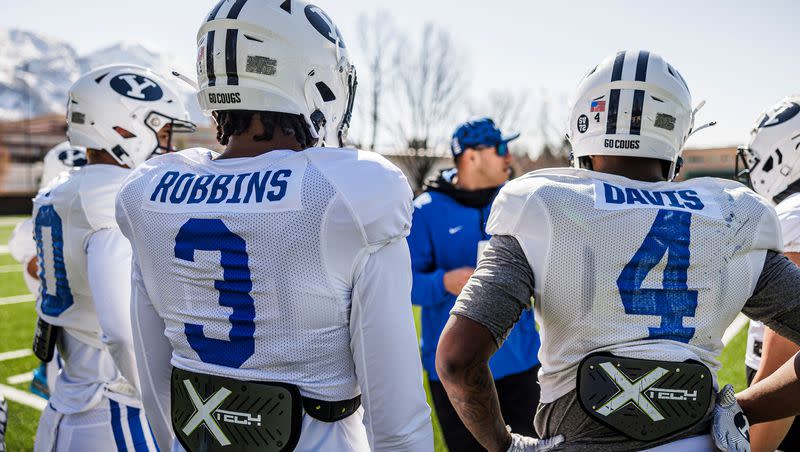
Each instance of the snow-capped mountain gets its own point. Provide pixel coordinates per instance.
(36, 71)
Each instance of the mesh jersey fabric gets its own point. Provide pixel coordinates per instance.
(587, 237)
(66, 214)
(789, 216)
(300, 244)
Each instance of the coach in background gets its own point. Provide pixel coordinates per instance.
(447, 234)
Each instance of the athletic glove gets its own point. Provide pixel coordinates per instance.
(730, 429)
(521, 443)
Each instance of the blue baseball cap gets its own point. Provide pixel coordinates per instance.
(480, 132)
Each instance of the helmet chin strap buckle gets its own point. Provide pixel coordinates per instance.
(319, 121)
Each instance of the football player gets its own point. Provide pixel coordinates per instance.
(122, 114)
(635, 277)
(772, 167)
(63, 157)
(276, 271)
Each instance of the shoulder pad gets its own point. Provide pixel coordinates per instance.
(377, 191)
(510, 203)
(97, 194)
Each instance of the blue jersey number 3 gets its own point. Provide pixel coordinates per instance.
(669, 234)
(234, 291)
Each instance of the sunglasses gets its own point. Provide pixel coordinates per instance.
(501, 149)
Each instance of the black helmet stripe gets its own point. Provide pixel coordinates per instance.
(236, 9)
(231, 42)
(212, 78)
(613, 98)
(641, 66)
(213, 14)
(638, 95)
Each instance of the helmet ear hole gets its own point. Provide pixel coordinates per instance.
(325, 92)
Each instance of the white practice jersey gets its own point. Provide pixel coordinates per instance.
(69, 215)
(642, 270)
(254, 265)
(21, 244)
(789, 216)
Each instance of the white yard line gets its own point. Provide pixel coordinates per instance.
(19, 379)
(15, 354)
(17, 299)
(10, 221)
(11, 268)
(738, 323)
(4, 249)
(25, 398)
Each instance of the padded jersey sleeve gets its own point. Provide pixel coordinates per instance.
(109, 270)
(386, 356)
(153, 353)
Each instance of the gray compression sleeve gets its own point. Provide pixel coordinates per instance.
(776, 299)
(500, 288)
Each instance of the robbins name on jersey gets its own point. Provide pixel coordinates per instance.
(186, 188)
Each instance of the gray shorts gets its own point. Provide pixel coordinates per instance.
(582, 433)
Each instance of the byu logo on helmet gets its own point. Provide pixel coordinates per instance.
(137, 87)
(784, 113)
(72, 157)
(324, 24)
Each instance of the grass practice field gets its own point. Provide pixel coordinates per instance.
(17, 322)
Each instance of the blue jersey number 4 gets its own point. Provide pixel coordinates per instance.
(234, 291)
(669, 234)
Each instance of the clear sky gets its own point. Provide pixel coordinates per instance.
(740, 56)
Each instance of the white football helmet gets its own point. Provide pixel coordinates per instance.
(281, 56)
(633, 104)
(120, 109)
(772, 156)
(62, 157)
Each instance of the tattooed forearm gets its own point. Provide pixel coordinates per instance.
(472, 392)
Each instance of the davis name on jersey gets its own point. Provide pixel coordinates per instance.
(262, 254)
(642, 270)
(611, 195)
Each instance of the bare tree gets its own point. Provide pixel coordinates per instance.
(427, 92)
(431, 82)
(378, 40)
(509, 109)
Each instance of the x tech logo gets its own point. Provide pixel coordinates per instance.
(204, 410)
(632, 391)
